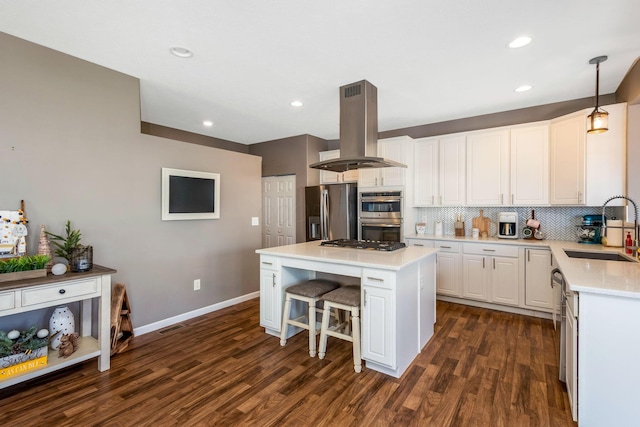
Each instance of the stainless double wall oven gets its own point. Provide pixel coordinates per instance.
(380, 216)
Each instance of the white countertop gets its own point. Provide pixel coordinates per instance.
(312, 251)
(616, 278)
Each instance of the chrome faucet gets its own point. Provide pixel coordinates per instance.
(635, 219)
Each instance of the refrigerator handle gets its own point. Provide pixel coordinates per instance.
(324, 215)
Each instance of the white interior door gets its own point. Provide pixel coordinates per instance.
(278, 210)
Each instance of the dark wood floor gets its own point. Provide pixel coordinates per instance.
(482, 368)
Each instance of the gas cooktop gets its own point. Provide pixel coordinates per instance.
(364, 244)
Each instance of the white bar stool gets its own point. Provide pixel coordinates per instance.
(346, 298)
(309, 292)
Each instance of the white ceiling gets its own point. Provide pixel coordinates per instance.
(430, 60)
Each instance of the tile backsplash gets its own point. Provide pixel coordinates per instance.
(557, 223)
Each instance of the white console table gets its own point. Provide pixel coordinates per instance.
(33, 294)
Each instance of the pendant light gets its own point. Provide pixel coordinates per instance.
(598, 120)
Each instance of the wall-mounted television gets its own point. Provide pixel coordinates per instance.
(190, 195)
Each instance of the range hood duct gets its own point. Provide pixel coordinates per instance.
(358, 131)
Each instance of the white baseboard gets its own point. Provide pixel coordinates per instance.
(195, 313)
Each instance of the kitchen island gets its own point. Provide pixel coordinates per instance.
(397, 302)
(602, 344)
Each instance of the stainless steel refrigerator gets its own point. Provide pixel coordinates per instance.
(331, 212)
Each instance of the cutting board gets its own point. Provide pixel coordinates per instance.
(482, 223)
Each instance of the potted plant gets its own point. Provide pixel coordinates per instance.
(26, 267)
(80, 257)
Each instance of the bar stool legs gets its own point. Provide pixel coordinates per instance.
(310, 293)
(347, 299)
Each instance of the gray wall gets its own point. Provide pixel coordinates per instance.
(291, 156)
(71, 147)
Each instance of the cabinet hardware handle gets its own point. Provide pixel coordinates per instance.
(274, 279)
(528, 255)
(382, 181)
(445, 247)
(267, 263)
(494, 263)
(418, 244)
(365, 297)
(61, 291)
(579, 196)
(489, 250)
(512, 199)
(502, 199)
(375, 279)
(482, 262)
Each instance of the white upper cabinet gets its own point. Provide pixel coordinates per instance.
(328, 177)
(488, 168)
(568, 138)
(396, 149)
(439, 171)
(588, 169)
(606, 159)
(530, 166)
(425, 172)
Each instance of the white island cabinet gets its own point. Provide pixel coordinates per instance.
(397, 303)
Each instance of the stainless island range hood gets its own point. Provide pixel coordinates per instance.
(358, 131)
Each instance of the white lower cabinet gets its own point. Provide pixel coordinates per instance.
(571, 353)
(491, 273)
(270, 294)
(378, 317)
(449, 268)
(537, 283)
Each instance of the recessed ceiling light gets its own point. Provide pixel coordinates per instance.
(207, 123)
(296, 104)
(523, 88)
(520, 41)
(181, 52)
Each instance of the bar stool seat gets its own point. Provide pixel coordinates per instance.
(309, 292)
(346, 298)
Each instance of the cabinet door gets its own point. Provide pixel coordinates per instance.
(378, 325)
(537, 289)
(449, 272)
(606, 171)
(571, 359)
(270, 300)
(504, 280)
(474, 277)
(488, 168)
(452, 171)
(567, 185)
(328, 177)
(368, 177)
(392, 149)
(530, 166)
(425, 173)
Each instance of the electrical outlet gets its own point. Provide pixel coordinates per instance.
(255, 220)
(196, 285)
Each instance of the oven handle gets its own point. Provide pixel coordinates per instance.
(375, 224)
(381, 200)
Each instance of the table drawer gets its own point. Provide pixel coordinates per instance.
(491, 250)
(52, 293)
(7, 301)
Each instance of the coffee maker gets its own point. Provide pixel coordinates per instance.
(508, 225)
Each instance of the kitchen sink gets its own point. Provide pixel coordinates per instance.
(606, 256)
